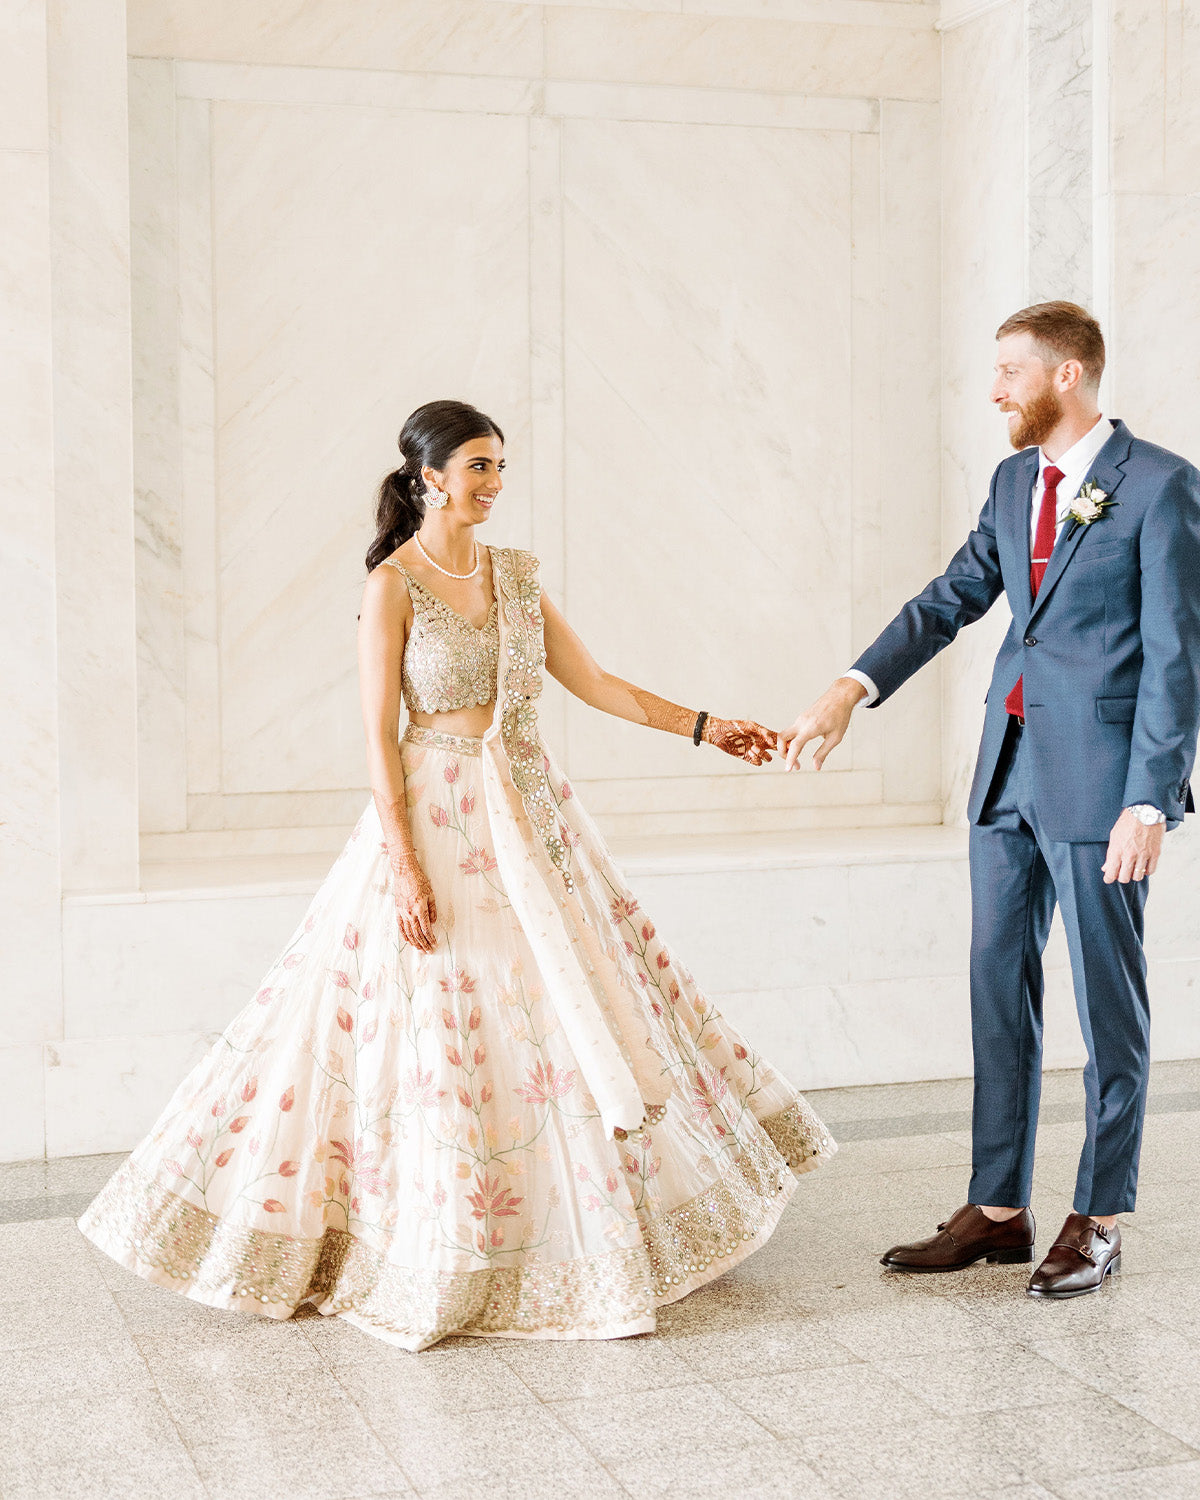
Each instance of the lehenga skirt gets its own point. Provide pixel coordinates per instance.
(407, 1141)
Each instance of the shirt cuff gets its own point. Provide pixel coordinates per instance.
(861, 677)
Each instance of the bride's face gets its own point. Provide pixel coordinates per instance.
(472, 478)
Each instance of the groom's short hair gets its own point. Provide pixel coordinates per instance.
(1063, 330)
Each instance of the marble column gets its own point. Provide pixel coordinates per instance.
(93, 448)
(29, 871)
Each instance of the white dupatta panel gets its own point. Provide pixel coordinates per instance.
(622, 1070)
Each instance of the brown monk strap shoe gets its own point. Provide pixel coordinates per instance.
(967, 1235)
(1079, 1259)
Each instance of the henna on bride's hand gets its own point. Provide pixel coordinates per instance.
(742, 738)
(416, 908)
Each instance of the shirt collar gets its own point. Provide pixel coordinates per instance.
(1077, 460)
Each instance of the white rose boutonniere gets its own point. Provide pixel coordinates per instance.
(1089, 505)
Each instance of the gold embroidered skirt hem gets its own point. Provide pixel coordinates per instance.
(168, 1241)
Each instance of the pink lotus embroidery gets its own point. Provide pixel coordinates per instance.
(293, 960)
(545, 1082)
(451, 773)
(288, 1168)
(622, 907)
(341, 979)
(273, 1206)
(419, 1088)
(467, 803)
(239, 1124)
(490, 1198)
(249, 1089)
(351, 938)
(708, 1089)
(457, 982)
(223, 1159)
(567, 793)
(195, 1139)
(287, 1098)
(360, 1160)
(345, 1020)
(478, 862)
(439, 815)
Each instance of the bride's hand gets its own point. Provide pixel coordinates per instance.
(741, 738)
(416, 910)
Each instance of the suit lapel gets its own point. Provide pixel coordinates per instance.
(1024, 479)
(1107, 472)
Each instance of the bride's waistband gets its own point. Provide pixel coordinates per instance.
(461, 744)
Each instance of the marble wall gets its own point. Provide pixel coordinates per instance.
(728, 271)
(667, 251)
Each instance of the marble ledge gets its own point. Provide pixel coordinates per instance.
(300, 874)
(554, 99)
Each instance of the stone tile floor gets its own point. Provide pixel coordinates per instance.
(806, 1372)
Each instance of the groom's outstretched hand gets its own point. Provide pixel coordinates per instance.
(827, 720)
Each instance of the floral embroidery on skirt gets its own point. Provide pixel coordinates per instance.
(407, 1140)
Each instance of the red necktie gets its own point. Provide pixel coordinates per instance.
(1043, 546)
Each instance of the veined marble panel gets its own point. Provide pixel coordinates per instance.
(734, 53)
(450, 36)
(93, 474)
(708, 415)
(23, 102)
(198, 446)
(1059, 126)
(364, 263)
(1155, 75)
(909, 372)
(29, 869)
(1156, 256)
(983, 281)
(154, 252)
(1139, 109)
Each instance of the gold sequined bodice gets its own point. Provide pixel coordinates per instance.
(448, 662)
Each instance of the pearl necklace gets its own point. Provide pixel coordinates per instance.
(446, 571)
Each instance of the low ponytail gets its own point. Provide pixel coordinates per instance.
(427, 440)
(398, 514)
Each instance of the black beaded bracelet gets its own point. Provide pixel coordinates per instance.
(701, 720)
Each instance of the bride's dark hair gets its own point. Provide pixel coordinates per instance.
(427, 439)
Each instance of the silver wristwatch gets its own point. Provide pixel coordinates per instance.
(1147, 814)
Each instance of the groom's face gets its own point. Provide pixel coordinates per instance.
(1024, 389)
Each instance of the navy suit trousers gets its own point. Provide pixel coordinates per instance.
(1018, 875)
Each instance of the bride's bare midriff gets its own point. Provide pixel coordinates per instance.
(470, 723)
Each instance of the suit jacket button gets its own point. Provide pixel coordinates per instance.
(1031, 640)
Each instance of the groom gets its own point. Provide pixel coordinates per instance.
(1088, 741)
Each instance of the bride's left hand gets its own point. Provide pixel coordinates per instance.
(741, 738)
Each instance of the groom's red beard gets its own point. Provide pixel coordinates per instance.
(1035, 421)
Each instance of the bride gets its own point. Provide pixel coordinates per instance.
(476, 1093)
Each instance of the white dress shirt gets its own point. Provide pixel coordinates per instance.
(1073, 465)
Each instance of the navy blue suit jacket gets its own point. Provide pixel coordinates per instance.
(1110, 649)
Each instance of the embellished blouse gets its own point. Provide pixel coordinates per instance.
(448, 662)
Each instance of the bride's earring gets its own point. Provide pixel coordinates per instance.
(435, 499)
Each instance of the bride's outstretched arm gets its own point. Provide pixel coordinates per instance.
(570, 661)
(382, 629)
